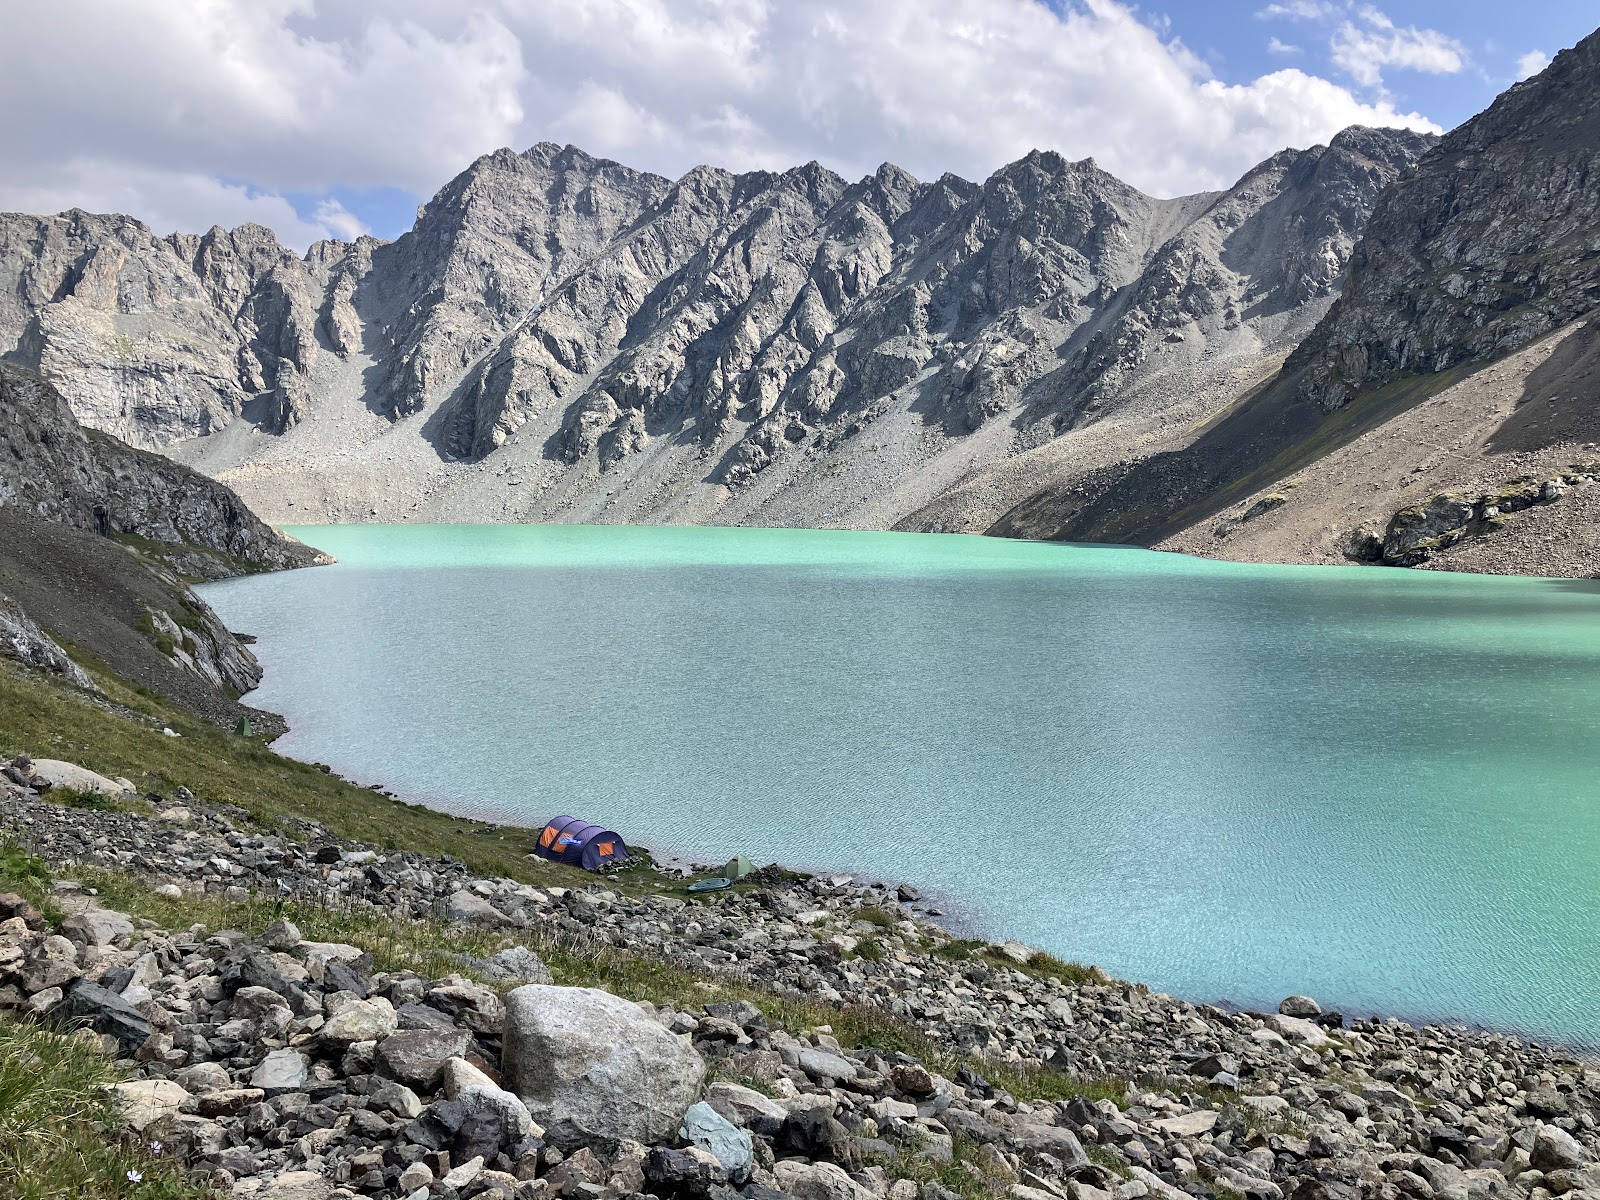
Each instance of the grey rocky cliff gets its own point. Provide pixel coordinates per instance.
(53, 469)
(1488, 244)
(1273, 246)
(740, 346)
(98, 543)
(158, 339)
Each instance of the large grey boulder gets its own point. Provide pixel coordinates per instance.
(416, 1057)
(590, 1065)
(145, 1101)
(1555, 1149)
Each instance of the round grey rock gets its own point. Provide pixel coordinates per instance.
(592, 1066)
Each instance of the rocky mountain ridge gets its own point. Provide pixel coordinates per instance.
(1471, 285)
(560, 337)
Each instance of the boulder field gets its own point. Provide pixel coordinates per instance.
(288, 1068)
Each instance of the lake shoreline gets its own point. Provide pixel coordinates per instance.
(680, 867)
(988, 912)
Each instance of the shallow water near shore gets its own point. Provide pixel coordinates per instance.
(1232, 782)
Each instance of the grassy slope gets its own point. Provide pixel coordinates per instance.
(47, 720)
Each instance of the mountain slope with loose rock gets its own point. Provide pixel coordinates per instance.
(98, 544)
(1453, 379)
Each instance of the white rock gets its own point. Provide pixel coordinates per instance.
(818, 1181)
(1298, 1029)
(364, 1021)
(1190, 1124)
(97, 927)
(1017, 952)
(459, 1075)
(79, 779)
(464, 1174)
(147, 1100)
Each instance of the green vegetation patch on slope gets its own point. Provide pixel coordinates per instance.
(47, 720)
(59, 1128)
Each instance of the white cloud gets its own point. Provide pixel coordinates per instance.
(1532, 63)
(170, 98)
(171, 201)
(1303, 10)
(1277, 46)
(1365, 46)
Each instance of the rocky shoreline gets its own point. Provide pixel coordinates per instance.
(286, 1068)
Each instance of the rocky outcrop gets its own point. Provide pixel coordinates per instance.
(22, 640)
(97, 544)
(1488, 244)
(1418, 532)
(766, 312)
(160, 339)
(53, 469)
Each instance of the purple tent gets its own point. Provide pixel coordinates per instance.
(580, 844)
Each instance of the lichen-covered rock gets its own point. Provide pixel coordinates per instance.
(1434, 525)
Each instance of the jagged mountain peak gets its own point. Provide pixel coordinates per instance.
(1471, 255)
(735, 326)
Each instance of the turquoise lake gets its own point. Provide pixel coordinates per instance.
(1377, 787)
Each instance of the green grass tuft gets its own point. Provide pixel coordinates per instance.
(877, 916)
(73, 798)
(56, 1121)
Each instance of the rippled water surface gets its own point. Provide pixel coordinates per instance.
(1233, 782)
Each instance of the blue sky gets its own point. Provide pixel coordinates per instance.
(1233, 38)
(330, 118)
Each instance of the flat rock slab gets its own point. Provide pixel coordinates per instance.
(79, 779)
(281, 1071)
(146, 1100)
(1187, 1124)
